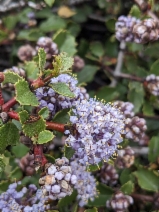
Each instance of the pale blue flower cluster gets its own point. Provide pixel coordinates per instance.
(98, 128)
(54, 101)
(85, 185)
(14, 201)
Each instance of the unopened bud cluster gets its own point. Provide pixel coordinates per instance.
(78, 64)
(130, 29)
(135, 127)
(125, 158)
(27, 52)
(85, 185)
(26, 163)
(119, 202)
(152, 84)
(108, 174)
(59, 180)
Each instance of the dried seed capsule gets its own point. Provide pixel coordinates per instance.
(26, 163)
(152, 84)
(125, 107)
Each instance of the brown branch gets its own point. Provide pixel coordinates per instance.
(147, 117)
(107, 69)
(142, 197)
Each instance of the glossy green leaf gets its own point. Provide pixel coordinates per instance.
(62, 89)
(49, 2)
(52, 23)
(147, 180)
(135, 11)
(45, 136)
(2, 165)
(107, 93)
(110, 24)
(20, 150)
(62, 116)
(66, 42)
(153, 149)
(87, 73)
(9, 135)
(68, 152)
(30, 34)
(23, 94)
(44, 112)
(62, 63)
(31, 128)
(127, 188)
(97, 49)
(155, 68)
(42, 59)
(11, 77)
(31, 69)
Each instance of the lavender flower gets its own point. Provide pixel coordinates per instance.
(152, 84)
(55, 102)
(85, 184)
(98, 130)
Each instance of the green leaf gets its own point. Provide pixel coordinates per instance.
(125, 176)
(9, 135)
(63, 89)
(23, 94)
(16, 174)
(20, 150)
(52, 23)
(44, 112)
(68, 152)
(31, 69)
(30, 34)
(127, 188)
(107, 93)
(50, 158)
(153, 149)
(87, 73)
(2, 165)
(49, 2)
(45, 136)
(3, 35)
(42, 59)
(67, 200)
(61, 116)
(66, 42)
(10, 21)
(62, 63)
(136, 95)
(91, 210)
(135, 11)
(95, 167)
(105, 193)
(11, 77)
(4, 185)
(110, 24)
(97, 49)
(34, 128)
(155, 68)
(147, 108)
(147, 180)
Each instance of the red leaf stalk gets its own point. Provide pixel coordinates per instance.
(55, 126)
(6, 107)
(1, 98)
(13, 115)
(39, 157)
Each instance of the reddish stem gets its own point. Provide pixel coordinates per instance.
(13, 115)
(40, 82)
(1, 98)
(55, 126)
(39, 157)
(49, 125)
(1, 77)
(143, 197)
(6, 107)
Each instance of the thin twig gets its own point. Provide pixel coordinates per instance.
(119, 64)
